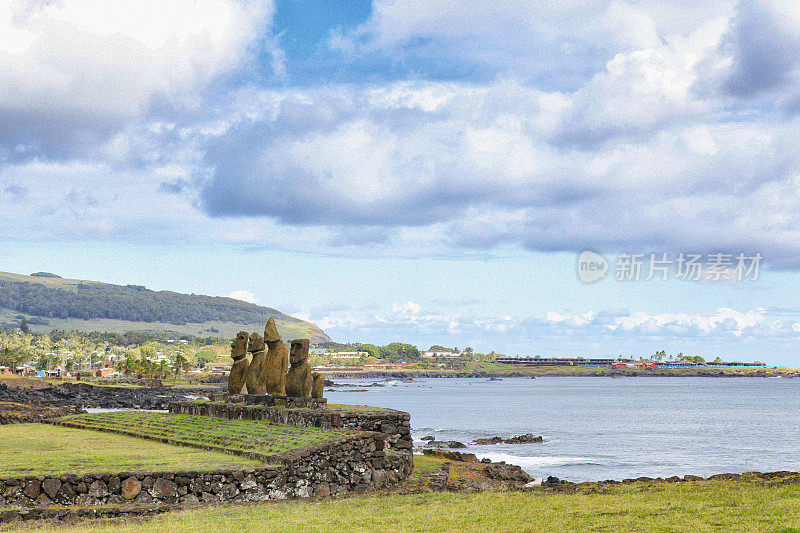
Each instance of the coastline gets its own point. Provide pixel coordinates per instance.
(534, 372)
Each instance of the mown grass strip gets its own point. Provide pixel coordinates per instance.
(255, 438)
(38, 449)
(679, 507)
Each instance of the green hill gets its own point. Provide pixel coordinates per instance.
(51, 302)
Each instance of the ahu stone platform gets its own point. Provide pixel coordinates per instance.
(305, 412)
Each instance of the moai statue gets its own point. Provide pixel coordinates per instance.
(298, 380)
(316, 388)
(256, 383)
(236, 378)
(277, 361)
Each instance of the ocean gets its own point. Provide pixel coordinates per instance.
(602, 428)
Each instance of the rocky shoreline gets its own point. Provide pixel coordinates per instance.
(594, 372)
(85, 396)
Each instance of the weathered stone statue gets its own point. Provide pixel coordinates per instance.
(298, 380)
(319, 383)
(256, 372)
(238, 373)
(277, 361)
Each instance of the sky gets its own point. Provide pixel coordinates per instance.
(417, 171)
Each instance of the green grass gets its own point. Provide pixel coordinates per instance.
(261, 437)
(356, 408)
(33, 449)
(690, 507)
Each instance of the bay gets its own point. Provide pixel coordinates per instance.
(602, 428)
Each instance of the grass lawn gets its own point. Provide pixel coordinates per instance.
(689, 507)
(257, 436)
(32, 449)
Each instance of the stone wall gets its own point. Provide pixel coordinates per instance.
(395, 424)
(353, 464)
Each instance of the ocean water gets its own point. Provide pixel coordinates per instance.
(602, 428)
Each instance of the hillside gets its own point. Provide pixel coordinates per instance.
(51, 302)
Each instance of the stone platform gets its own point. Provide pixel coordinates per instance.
(270, 401)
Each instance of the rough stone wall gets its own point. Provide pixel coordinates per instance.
(396, 424)
(353, 464)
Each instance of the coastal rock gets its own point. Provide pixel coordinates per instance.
(506, 472)
(445, 444)
(452, 456)
(519, 439)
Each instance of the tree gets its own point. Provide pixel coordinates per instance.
(23, 326)
(11, 357)
(181, 363)
(205, 356)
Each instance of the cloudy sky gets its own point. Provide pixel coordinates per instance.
(415, 170)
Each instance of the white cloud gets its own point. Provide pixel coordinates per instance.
(83, 66)
(243, 295)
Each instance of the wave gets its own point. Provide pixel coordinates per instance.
(529, 462)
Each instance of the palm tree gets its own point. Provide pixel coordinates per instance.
(11, 357)
(181, 363)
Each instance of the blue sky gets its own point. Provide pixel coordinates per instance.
(416, 171)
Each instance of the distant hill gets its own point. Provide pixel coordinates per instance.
(59, 303)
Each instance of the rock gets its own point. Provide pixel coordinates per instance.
(51, 486)
(490, 440)
(164, 488)
(238, 374)
(298, 380)
(143, 497)
(114, 485)
(428, 437)
(32, 488)
(248, 483)
(131, 488)
(519, 439)
(523, 439)
(446, 444)
(452, 456)
(98, 489)
(323, 490)
(191, 499)
(507, 473)
(228, 492)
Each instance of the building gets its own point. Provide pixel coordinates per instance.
(349, 355)
(217, 368)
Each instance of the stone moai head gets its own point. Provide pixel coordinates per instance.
(239, 345)
(256, 343)
(271, 331)
(299, 352)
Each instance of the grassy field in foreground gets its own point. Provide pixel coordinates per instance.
(32, 449)
(258, 436)
(690, 507)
